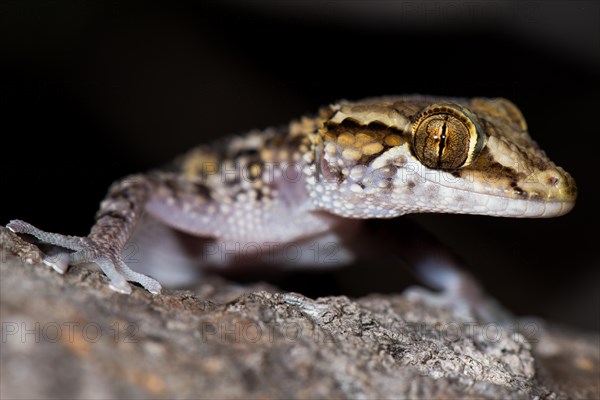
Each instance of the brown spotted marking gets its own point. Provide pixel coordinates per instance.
(359, 144)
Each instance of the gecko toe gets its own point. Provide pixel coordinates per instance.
(147, 283)
(121, 287)
(57, 259)
(17, 226)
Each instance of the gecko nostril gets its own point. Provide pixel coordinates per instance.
(553, 180)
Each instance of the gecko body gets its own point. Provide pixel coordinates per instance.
(318, 177)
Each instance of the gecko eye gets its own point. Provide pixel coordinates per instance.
(446, 136)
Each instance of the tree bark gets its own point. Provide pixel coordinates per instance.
(70, 336)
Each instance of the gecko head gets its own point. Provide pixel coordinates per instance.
(391, 156)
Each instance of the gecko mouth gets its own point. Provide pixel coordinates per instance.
(498, 206)
(503, 199)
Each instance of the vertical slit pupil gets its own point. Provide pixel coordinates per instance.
(442, 143)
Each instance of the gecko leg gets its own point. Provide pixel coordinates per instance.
(437, 267)
(115, 221)
(454, 286)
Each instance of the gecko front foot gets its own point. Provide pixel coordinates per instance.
(458, 290)
(86, 250)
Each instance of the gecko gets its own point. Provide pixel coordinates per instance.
(319, 178)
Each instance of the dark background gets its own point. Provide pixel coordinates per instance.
(93, 91)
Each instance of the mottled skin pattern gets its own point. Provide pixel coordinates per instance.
(374, 158)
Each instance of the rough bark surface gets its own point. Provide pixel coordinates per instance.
(71, 337)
